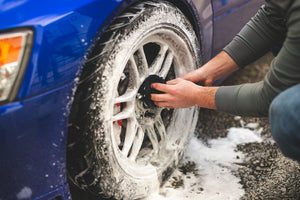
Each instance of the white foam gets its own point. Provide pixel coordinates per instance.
(25, 193)
(214, 164)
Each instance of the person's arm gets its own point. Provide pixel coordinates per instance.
(277, 20)
(264, 31)
(182, 93)
(218, 67)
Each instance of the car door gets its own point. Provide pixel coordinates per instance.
(229, 17)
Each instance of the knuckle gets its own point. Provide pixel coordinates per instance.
(173, 91)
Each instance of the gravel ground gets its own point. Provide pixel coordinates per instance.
(266, 174)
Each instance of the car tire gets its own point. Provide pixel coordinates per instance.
(119, 145)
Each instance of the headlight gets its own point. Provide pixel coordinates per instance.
(15, 48)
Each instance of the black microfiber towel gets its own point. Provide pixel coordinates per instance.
(145, 90)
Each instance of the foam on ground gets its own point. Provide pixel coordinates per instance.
(215, 161)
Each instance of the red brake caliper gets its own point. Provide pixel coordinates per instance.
(119, 108)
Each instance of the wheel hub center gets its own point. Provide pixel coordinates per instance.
(146, 110)
(145, 90)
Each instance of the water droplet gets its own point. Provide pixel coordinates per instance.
(93, 106)
(123, 76)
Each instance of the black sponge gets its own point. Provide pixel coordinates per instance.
(145, 90)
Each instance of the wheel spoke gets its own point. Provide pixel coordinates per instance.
(158, 61)
(159, 125)
(131, 132)
(137, 144)
(135, 72)
(153, 138)
(129, 96)
(167, 65)
(142, 64)
(126, 113)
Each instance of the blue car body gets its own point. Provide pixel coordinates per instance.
(33, 125)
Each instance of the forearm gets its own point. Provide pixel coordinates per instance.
(206, 97)
(218, 67)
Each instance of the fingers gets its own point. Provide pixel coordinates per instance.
(163, 100)
(161, 87)
(161, 97)
(174, 81)
(164, 104)
(166, 87)
(208, 82)
(171, 97)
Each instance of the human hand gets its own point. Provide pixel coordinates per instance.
(216, 68)
(200, 75)
(178, 93)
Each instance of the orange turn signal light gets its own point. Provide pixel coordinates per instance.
(14, 47)
(10, 49)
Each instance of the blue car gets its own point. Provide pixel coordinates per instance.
(74, 91)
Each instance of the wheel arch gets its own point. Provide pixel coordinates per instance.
(186, 6)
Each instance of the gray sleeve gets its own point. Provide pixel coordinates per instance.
(244, 100)
(224, 98)
(264, 31)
